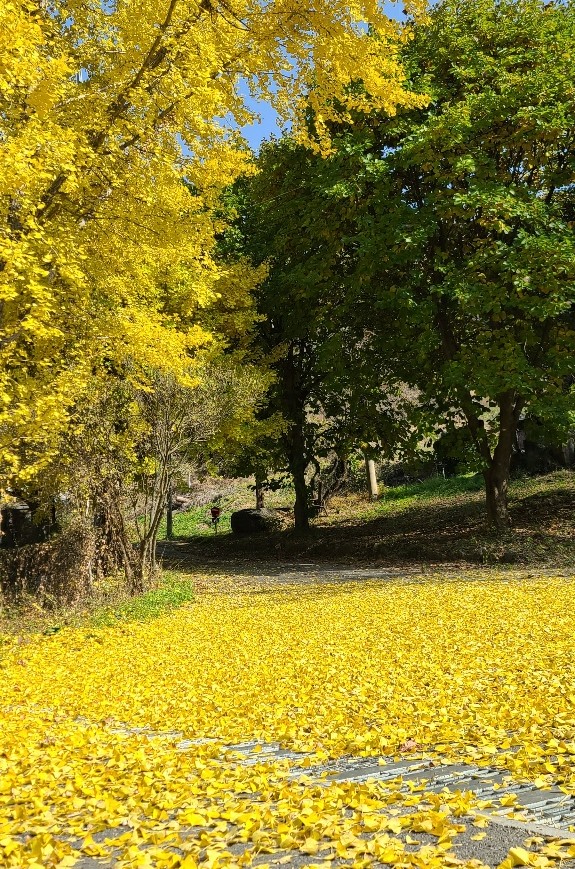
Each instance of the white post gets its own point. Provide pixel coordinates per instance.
(371, 479)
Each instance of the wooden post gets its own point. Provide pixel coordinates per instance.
(372, 486)
(169, 516)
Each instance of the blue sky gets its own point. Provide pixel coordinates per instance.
(256, 133)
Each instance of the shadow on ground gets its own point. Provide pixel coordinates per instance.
(438, 532)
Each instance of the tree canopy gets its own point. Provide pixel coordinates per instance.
(467, 220)
(453, 226)
(116, 122)
(328, 387)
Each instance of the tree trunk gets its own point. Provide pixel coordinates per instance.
(148, 563)
(301, 515)
(113, 547)
(260, 503)
(169, 516)
(134, 578)
(496, 474)
(496, 464)
(138, 578)
(496, 483)
(298, 467)
(294, 399)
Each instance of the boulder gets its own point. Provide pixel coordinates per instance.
(249, 521)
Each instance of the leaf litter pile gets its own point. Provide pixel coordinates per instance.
(481, 671)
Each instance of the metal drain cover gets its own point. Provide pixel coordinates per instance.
(551, 807)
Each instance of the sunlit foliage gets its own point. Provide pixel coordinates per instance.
(106, 109)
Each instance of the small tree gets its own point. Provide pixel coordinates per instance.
(181, 423)
(130, 438)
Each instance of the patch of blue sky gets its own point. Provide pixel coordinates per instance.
(268, 122)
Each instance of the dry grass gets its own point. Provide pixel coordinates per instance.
(109, 604)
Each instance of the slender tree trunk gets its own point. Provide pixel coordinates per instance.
(298, 467)
(301, 515)
(497, 464)
(148, 544)
(294, 399)
(156, 500)
(260, 502)
(496, 475)
(169, 516)
(140, 570)
(294, 390)
(113, 547)
(134, 579)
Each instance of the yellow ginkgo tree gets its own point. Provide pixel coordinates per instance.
(117, 125)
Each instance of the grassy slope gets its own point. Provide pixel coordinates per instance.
(436, 521)
(196, 521)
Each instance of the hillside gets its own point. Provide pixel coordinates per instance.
(438, 521)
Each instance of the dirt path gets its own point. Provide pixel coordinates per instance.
(242, 573)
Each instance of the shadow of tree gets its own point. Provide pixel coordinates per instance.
(440, 531)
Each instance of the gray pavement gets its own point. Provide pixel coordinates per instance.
(540, 816)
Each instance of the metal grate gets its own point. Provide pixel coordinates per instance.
(549, 807)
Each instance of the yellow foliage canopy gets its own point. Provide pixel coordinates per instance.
(106, 109)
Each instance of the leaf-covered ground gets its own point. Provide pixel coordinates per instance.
(482, 670)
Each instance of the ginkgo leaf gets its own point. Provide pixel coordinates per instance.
(520, 856)
(237, 667)
(310, 846)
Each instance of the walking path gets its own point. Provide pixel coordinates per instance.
(268, 722)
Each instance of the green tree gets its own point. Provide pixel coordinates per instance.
(290, 299)
(327, 387)
(464, 240)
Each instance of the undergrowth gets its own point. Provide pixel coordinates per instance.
(110, 604)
